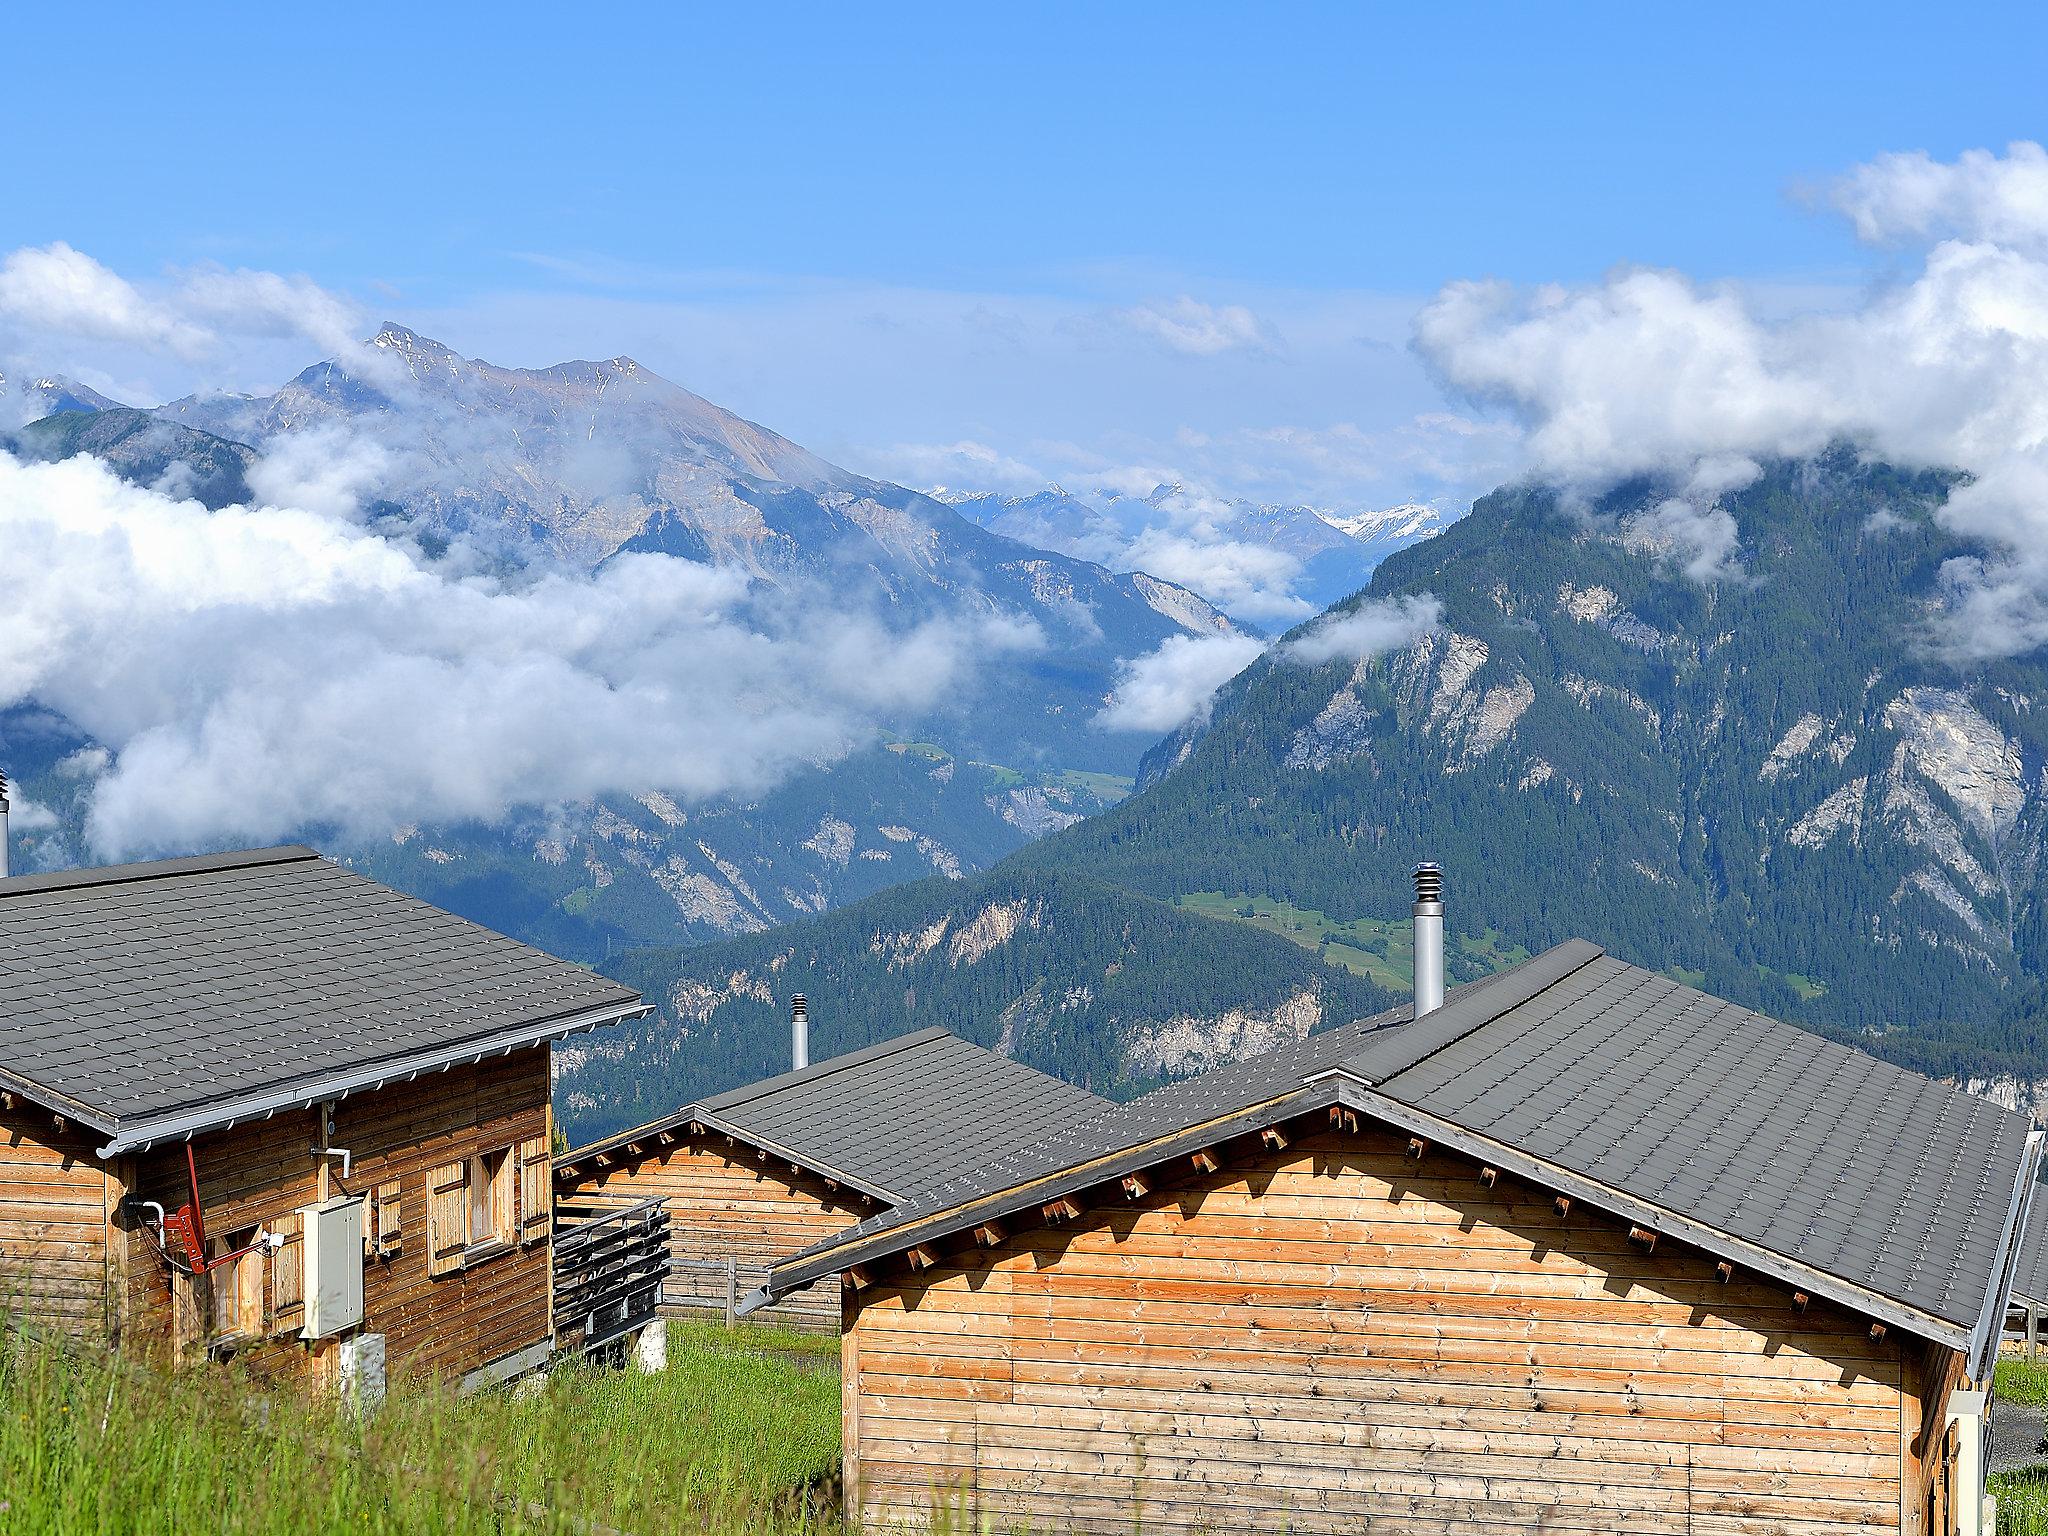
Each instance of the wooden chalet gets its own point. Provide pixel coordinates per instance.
(257, 1105)
(753, 1175)
(1580, 1249)
(2026, 1313)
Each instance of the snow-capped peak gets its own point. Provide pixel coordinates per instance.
(1412, 519)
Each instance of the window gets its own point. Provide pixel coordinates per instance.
(472, 1209)
(490, 1198)
(238, 1286)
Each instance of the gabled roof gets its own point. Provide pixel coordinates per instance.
(153, 1001)
(1651, 1097)
(889, 1120)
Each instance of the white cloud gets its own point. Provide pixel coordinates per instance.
(1188, 325)
(1373, 628)
(1909, 198)
(964, 465)
(256, 303)
(1165, 689)
(56, 288)
(1250, 580)
(255, 671)
(1649, 372)
(328, 468)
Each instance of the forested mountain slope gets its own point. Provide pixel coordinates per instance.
(1769, 781)
(1087, 981)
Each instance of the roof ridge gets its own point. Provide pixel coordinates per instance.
(1446, 1026)
(747, 1092)
(154, 869)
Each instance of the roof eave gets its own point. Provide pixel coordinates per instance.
(182, 1125)
(1357, 1094)
(56, 1103)
(803, 1268)
(789, 1154)
(2005, 1273)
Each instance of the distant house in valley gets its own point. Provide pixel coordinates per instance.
(1576, 1247)
(257, 1105)
(754, 1174)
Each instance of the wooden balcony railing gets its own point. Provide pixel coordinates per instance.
(609, 1270)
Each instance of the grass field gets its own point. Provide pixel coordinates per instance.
(740, 1435)
(1380, 950)
(2023, 1494)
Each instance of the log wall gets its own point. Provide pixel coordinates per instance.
(259, 1173)
(53, 1222)
(1335, 1338)
(726, 1201)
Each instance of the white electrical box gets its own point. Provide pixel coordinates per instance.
(334, 1266)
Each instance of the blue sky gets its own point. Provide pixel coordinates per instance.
(1109, 240)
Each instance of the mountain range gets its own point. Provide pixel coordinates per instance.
(523, 472)
(1312, 557)
(1767, 783)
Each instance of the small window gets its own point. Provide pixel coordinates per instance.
(238, 1286)
(491, 1176)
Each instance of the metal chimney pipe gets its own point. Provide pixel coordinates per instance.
(3, 826)
(1429, 939)
(799, 1033)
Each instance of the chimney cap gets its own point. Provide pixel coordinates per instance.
(1429, 882)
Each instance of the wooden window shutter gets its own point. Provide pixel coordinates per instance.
(447, 1217)
(288, 1276)
(536, 1189)
(385, 1218)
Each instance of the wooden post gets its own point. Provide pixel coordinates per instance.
(732, 1289)
(2033, 1324)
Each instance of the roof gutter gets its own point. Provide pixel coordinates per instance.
(2011, 1243)
(185, 1124)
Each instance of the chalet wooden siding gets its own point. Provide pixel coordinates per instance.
(481, 1310)
(1336, 1338)
(726, 1200)
(54, 1203)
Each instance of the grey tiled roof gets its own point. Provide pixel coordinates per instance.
(1817, 1152)
(145, 991)
(1820, 1154)
(2031, 1283)
(920, 1109)
(1113, 1128)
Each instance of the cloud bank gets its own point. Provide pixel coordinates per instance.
(1177, 683)
(1163, 690)
(1373, 628)
(260, 669)
(1651, 372)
